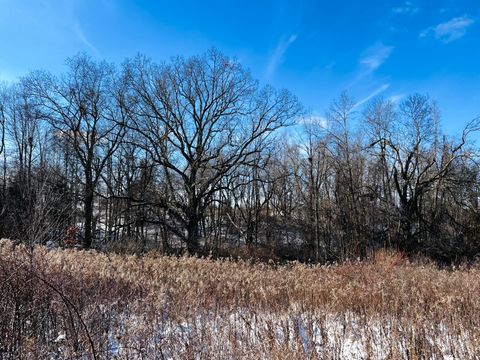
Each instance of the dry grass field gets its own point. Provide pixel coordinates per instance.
(65, 304)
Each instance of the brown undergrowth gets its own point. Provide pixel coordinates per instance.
(74, 304)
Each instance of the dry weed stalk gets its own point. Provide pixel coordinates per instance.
(179, 308)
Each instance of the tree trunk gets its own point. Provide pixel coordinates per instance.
(88, 210)
(193, 244)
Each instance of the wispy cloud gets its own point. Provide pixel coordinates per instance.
(313, 119)
(277, 57)
(407, 8)
(451, 30)
(376, 92)
(374, 57)
(82, 37)
(370, 60)
(396, 98)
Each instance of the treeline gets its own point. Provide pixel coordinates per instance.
(194, 155)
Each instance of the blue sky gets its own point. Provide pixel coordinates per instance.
(314, 48)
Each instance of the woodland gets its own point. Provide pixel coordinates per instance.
(194, 156)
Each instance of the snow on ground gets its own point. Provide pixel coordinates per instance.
(340, 336)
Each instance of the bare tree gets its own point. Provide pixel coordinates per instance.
(84, 105)
(348, 163)
(3, 104)
(202, 118)
(413, 168)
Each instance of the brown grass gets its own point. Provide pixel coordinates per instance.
(158, 307)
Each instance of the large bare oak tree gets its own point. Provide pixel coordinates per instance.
(200, 119)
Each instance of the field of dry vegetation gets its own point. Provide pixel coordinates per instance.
(66, 304)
